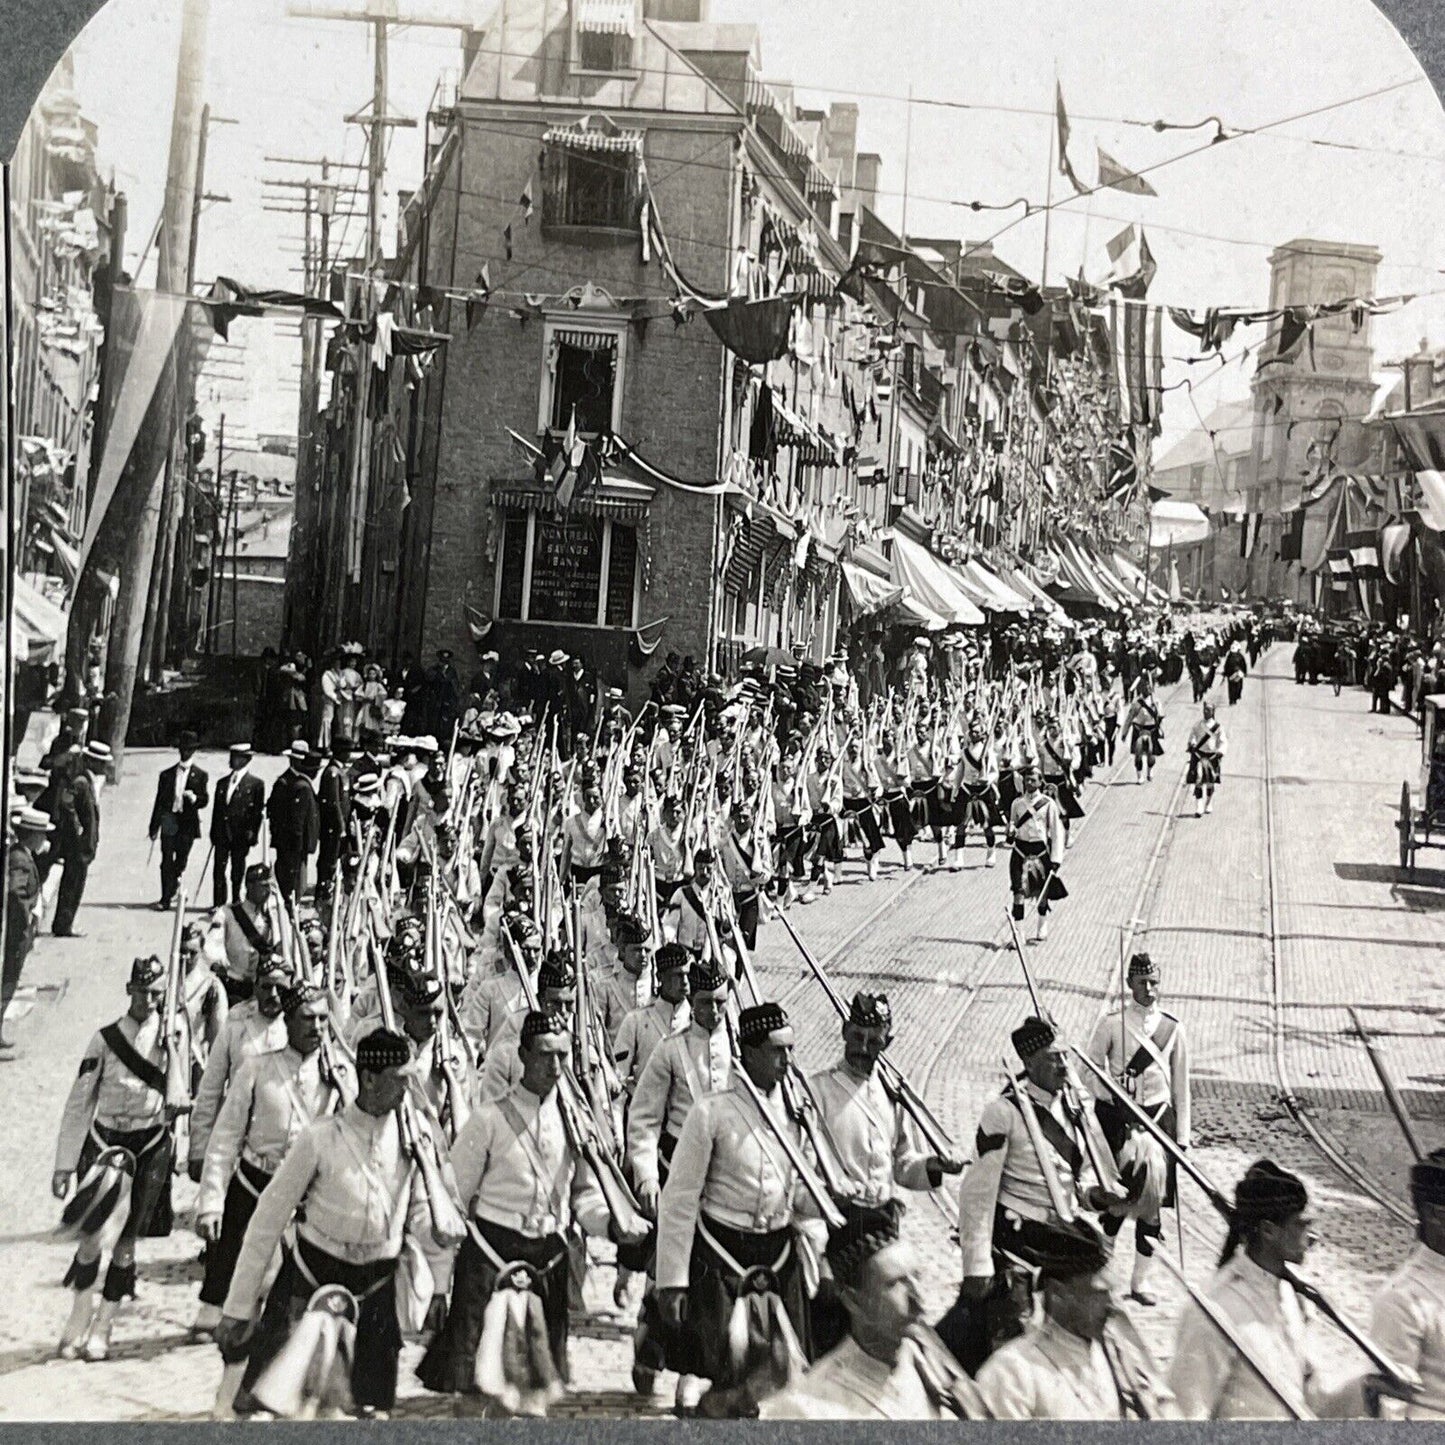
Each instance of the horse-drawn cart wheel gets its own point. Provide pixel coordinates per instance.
(1406, 829)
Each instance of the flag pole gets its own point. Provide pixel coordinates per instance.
(1049, 185)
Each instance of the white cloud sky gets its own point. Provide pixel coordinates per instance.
(1368, 172)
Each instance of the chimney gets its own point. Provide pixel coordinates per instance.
(865, 183)
(686, 10)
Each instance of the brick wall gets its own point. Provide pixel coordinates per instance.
(671, 399)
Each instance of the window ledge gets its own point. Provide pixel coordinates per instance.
(628, 234)
(629, 74)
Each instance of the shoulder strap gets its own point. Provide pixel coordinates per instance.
(151, 1075)
(248, 928)
(1153, 1050)
(1062, 1143)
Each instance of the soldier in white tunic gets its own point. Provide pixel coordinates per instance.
(889, 1366)
(645, 1027)
(725, 1232)
(1069, 1364)
(1007, 1199)
(872, 1141)
(1409, 1315)
(1143, 1049)
(272, 1098)
(1036, 831)
(1206, 753)
(352, 1190)
(1272, 1229)
(975, 791)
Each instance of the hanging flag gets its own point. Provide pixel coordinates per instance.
(1123, 471)
(477, 303)
(1132, 265)
(1120, 178)
(1065, 166)
(525, 201)
(1136, 356)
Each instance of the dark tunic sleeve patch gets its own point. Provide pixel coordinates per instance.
(986, 1143)
(88, 1066)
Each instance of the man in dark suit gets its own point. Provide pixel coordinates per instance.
(295, 822)
(235, 823)
(181, 792)
(29, 834)
(333, 793)
(77, 836)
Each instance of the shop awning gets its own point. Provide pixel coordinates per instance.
(911, 613)
(932, 585)
(39, 625)
(589, 135)
(620, 498)
(1103, 572)
(1003, 597)
(606, 17)
(867, 593)
(1039, 600)
(1143, 588)
(1176, 524)
(1082, 587)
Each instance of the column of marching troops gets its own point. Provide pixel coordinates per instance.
(521, 1012)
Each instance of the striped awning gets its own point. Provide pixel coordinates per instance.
(607, 17)
(618, 497)
(586, 340)
(586, 135)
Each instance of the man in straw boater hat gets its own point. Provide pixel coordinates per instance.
(1068, 1364)
(1144, 1049)
(729, 1274)
(1408, 1322)
(352, 1187)
(1036, 832)
(182, 790)
(236, 813)
(116, 1139)
(889, 1365)
(1028, 1176)
(876, 1148)
(1271, 1230)
(295, 819)
(523, 1183)
(273, 1097)
(681, 1069)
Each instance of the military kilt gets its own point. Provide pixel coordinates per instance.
(928, 808)
(221, 1256)
(900, 815)
(769, 1260)
(1061, 788)
(1028, 867)
(154, 1150)
(977, 806)
(1203, 770)
(449, 1366)
(304, 1269)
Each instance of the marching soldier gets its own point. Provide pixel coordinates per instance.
(584, 838)
(523, 1183)
(926, 786)
(1056, 766)
(487, 1003)
(1036, 833)
(1145, 725)
(892, 772)
(870, 1137)
(626, 985)
(726, 1216)
(644, 1028)
(1028, 1165)
(685, 921)
(975, 787)
(746, 875)
(255, 1026)
(272, 1098)
(1143, 1048)
(680, 1070)
(890, 1366)
(244, 935)
(117, 1115)
(1271, 1230)
(556, 994)
(669, 851)
(860, 787)
(1070, 1364)
(1206, 753)
(351, 1188)
(1409, 1316)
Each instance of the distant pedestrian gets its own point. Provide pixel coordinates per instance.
(235, 823)
(77, 836)
(30, 830)
(333, 797)
(295, 822)
(182, 790)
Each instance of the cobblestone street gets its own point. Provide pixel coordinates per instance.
(1270, 918)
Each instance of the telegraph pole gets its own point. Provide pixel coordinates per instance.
(137, 563)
